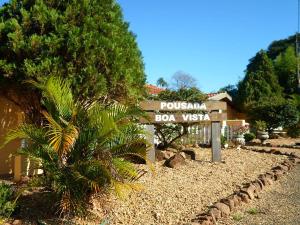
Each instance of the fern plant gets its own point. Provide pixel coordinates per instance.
(7, 202)
(82, 146)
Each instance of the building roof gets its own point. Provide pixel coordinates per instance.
(153, 90)
(219, 96)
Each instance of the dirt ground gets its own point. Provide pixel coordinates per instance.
(175, 196)
(282, 141)
(279, 204)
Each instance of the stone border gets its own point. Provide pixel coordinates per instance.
(292, 146)
(249, 191)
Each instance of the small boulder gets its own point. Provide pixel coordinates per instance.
(190, 152)
(175, 161)
(225, 210)
(174, 150)
(216, 213)
(245, 197)
(229, 201)
(159, 155)
(17, 222)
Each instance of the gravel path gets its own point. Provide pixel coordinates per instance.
(175, 196)
(277, 205)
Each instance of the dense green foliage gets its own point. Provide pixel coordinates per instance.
(249, 137)
(7, 203)
(286, 70)
(268, 91)
(278, 47)
(260, 82)
(86, 42)
(183, 94)
(275, 114)
(81, 147)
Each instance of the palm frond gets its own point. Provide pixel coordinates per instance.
(125, 169)
(25, 131)
(138, 147)
(101, 119)
(61, 138)
(122, 190)
(57, 92)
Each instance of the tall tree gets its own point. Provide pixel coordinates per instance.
(86, 42)
(286, 70)
(182, 80)
(260, 82)
(279, 46)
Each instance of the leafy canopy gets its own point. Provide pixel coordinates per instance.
(260, 82)
(86, 42)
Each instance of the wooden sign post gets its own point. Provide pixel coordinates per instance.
(150, 139)
(185, 112)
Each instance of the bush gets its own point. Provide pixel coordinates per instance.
(7, 204)
(249, 137)
(294, 131)
(223, 140)
(82, 147)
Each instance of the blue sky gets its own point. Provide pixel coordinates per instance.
(210, 39)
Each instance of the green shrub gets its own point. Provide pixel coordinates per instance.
(249, 136)
(237, 217)
(223, 140)
(83, 147)
(7, 203)
(294, 131)
(260, 125)
(253, 211)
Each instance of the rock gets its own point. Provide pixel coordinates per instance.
(190, 152)
(206, 222)
(175, 161)
(159, 155)
(237, 199)
(258, 186)
(17, 222)
(183, 155)
(195, 146)
(225, 210)
(174, 150)
(250, 191)
(295, 160)
(284, 168)
(266, 180)
(229, 201)
(278, 173)
(216, 213)
(167, 154)
(245, 197)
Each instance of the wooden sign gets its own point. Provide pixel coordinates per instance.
(152, 117)
(182, 106)
(184, 112)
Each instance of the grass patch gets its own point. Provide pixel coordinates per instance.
(237, 217)
(253, 211)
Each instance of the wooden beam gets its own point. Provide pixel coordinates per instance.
(150, 139)
(153, 118)
(157, 106)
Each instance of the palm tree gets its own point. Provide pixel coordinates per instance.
(82, 146)
(161, 82)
